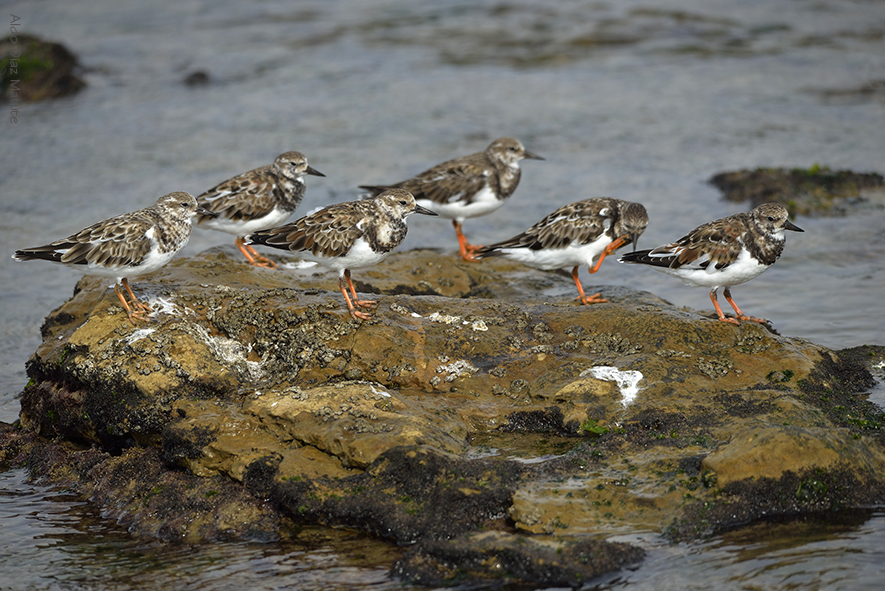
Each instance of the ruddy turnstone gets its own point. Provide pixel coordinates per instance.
(346, 236)
(574, 235)
(127, 245)
(257, 200)
(722, 253)
(468, 187)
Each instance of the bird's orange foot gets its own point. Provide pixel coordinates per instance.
(753, 319)
(468, 251)
(254, 257)
(357, 315)
(732, 320)
(264, 264)
(596, 298)
(137, 315)
(366, 303)
(142, 308)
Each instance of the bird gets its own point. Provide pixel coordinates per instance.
(467, 187)
(575, 235)
(722, 253)
(126, 245)
(257, 200)
(349, 235)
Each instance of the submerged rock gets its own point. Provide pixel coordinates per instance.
(499, 557)
(809, 192)
(196, 78)
(32, 69)
(491, 402)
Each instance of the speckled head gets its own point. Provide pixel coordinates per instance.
(634, 219)
(181, 206)
(293, 166)
(509, 151)
(772, 219)
(400, 203)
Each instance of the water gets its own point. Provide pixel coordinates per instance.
(54, 541)
(632, 99)
(833, 552)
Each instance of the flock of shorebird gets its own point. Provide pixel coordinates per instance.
(253, 206)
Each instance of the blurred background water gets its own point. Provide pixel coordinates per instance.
(632, 99)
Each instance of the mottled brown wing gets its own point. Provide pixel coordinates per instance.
(329, 232)
(246, 196)
(460, 179)
(713, 243)
(580, 222)
(116, 242)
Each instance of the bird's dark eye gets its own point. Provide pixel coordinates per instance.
(512, 148)
(771, 218)
(184, 203)
(402, 202)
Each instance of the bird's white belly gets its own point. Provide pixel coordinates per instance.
(483, 203)
(360, 255)
(242, 227)
(572, 255)
(740, 271)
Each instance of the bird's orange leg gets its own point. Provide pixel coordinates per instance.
(141, 309)
(468, 251)
(353, 311)
(715, 299)
(350, 303)
(138, 304)
(737, 311)
(252, 255)
(608, 250)
(585, 299)
(356, 300)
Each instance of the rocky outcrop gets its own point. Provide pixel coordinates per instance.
(810, 191)
(32, 69)
(480, 398)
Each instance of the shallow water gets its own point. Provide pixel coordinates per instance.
(632, 99)
(51, 540)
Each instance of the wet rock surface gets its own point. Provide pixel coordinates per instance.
(137, 490)
(489, 422)
(815, 191)
(498, 556)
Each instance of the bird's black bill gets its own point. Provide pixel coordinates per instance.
(788, 225)
(314, 171)
(533, 156)
(203, 211)
(424, 210)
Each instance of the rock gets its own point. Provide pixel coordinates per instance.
(400, 496)
(136, 489)
(492, 394)
(500, 557)
(809, 192)
(33, 70)
(196, 78)
(768, 451)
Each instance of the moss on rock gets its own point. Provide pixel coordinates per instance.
(809, 192)
(33, 70)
